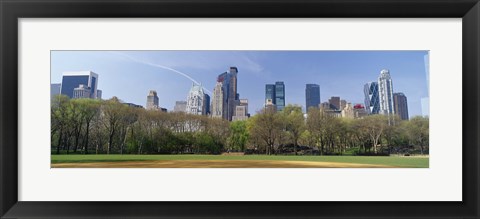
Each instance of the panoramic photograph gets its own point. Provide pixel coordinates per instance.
(239, 109)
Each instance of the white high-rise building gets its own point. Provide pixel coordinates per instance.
(82, 91)
(195, 100)
(385, 93)
(216, 110)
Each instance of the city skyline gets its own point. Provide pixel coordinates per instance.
(125, 74)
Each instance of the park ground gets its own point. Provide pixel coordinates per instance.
(241, 161)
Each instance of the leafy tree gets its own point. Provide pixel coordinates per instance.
(306, 138)
(295, 123)
(207, 144)
(266, 126)
(238, 136)
(219, 130)
(90, 109)
(59, 118)
(418, 132)
(375, 126)
(129, 116)
(112, 113)
(112, 127)
(322, 126)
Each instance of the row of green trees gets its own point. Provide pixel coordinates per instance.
(334, 135)
(96, 126)
(108, 126)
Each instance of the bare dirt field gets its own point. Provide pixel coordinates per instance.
(216, 164)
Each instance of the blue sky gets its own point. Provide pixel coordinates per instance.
(129, 75)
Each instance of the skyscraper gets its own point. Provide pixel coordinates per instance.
(195, 100)
(72, 80)
(224, 78)
(275, 93)
(312, 96)
(224, 107)
(270, 92)
(206, 104)
(152, 100)
(400, 105)
(334, 103)
(217, 101)
(232, 100)
(372, 103)
(280, 95)
(385, 93)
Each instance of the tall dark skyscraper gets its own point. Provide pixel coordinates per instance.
(312, 96)
(206, 104)
(72, 80)
(224, 80)
(280, 95)
(232, 100)
(400, 105)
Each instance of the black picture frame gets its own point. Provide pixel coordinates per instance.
(12, 10)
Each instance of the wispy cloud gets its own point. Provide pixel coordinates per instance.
(212, 61)
(131, 58)
(250, 63)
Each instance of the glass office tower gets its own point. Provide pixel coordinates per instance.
(312, 96)
(372, 102)
(72, 80)
(401, 106)
(270, 93)
(280, 95)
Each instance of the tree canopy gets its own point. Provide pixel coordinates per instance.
(110, 127)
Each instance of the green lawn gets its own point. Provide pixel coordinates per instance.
(417, 162)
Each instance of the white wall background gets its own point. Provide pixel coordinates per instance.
(441, 182)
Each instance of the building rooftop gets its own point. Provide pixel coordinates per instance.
(196, 88)
(79, 73)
